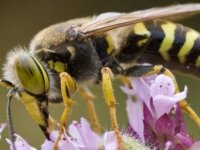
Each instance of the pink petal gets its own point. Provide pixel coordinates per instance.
(168, 145)
(163, 85)
(47, 145)
(54, 135)
(195, 146)
(62, 145)
(185, 139)
(74, 130)
(163, 103)
(110, 141)
(135, 117)
(165, 125)
(20, 144)
(83, 136)
(140, 89)
(91, 138)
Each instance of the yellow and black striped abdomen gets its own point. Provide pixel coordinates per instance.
(162, 42)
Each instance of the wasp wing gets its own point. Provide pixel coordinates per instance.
(177, 12)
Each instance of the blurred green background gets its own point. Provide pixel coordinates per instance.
(20, 20)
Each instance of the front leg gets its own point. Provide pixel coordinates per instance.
(111, 102)
(68, 87)
(89, 99)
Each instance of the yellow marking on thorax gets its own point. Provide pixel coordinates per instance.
(140, 29)
(190, 38)
(111, 47)
(169, 31)
(59, 66)
(198, 62)
(51, 63)
(71, 50)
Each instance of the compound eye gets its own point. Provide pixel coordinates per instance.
(31, 75)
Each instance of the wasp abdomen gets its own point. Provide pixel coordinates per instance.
(162, 42)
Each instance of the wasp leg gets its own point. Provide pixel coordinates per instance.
(111, 102)
(68, 86)
(137, 71)
(89, 98)
(52, 123)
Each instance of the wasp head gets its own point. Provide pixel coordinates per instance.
(25, 72)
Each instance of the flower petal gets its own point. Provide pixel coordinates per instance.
(168, 145)
(163, 103)
(20, 144)
(110, 141)
(195, 146)
(135, 116)
(142, 93)
(62, 144)
(185, 139)
(83, 136)
(163, 85)
(47, 145)
(164, 125)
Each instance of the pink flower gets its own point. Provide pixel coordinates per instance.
(155, 116)
(195, 146)
(110, 141)
(162, 91)
(20, 144)
(81, 137)
(62, 145)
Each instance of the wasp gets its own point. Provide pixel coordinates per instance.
(71, 55)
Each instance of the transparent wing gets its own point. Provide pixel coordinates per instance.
(175, 12)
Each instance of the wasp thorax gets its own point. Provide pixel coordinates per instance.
(31, 74)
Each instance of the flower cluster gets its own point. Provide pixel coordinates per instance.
(80, 137)
(19, 144)
(154, 114)
(155, 121)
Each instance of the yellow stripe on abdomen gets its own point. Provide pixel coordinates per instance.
(111, 46)
(190, 39)
(169, 31)
(140, 29)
